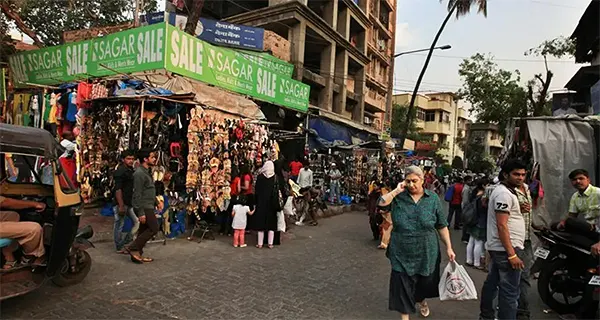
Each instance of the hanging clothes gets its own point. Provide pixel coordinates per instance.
(72, 107)
(84, 92)
(48, 100)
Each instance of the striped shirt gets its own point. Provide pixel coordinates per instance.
(588, 204)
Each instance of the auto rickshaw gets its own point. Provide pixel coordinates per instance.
(67, 261)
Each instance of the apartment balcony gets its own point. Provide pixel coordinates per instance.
(440, 105)
(495, 143)
(436, 127)
(376, 80)
(375, 100)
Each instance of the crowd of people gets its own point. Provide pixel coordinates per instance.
(497, 228)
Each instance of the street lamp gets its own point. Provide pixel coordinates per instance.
(444, 47)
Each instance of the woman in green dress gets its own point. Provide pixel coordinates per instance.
(414, 249)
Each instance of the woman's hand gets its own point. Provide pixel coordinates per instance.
(451, 255)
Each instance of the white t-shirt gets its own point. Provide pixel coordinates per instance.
(240, 216)
(504, 200)
(305, 178)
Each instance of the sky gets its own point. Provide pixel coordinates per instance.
(511, 28)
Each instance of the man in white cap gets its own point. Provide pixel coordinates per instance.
(334, 185)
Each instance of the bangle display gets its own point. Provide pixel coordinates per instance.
(512, 257)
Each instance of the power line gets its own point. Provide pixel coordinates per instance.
(498, 59)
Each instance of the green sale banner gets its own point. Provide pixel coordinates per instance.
(162, 46)
(227, 68)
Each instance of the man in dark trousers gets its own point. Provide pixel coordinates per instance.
(123, 178)
(144, 198)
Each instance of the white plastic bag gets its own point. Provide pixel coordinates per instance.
(455, 284)
(288, 208)
(280, 221)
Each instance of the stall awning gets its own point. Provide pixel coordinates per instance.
(325, 133)
(207, 95)
(346, 122)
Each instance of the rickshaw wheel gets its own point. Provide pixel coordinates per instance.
(69, 278)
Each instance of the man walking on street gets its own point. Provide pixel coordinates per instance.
(144, 197)
(305, 180)
(123, 178)
(455, 208)
(505, 244)
(525, 201)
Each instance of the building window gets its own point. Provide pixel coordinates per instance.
(444, 117)
(429, 116)
(495, 136)
(443, 139)
(421, 114)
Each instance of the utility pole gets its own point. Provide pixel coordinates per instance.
(136, 14)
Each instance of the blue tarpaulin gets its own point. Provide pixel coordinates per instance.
(328, 134)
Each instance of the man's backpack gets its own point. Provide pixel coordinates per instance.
(469, 212)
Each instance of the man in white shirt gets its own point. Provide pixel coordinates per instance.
(305, 181)
(505, 244)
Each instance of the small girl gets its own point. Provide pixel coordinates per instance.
(240, 212)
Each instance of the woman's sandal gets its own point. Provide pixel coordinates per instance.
(146, 259)
(10, 265)
(423, 309)
(259, 246)
(270, 246)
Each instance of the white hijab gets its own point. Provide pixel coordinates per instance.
(268, 169)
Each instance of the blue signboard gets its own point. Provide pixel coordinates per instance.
(216, 32)
(232, 35)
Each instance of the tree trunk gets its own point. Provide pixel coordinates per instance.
(194, 16)
(20, 24)
(411, 107)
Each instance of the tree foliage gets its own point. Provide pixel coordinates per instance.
(537, 88)
(477, 159)
(457, 163)
(48, 19)
(463, 7)
(399, 113)
(495, 94)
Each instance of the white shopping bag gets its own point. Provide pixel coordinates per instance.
(280, 221)
(455, 284)
(288, 208)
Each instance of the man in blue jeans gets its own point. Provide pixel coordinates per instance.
(506, 238)
(123, 178)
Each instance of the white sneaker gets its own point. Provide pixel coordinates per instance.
(298, 223)
(243, 245)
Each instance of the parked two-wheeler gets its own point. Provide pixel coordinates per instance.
(566, 268)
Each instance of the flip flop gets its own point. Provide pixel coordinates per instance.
(10, 265)
(146, 259)
(423, 309)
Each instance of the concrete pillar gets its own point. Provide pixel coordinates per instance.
(358, 114)
(327, 71)
(343, 23)
(330, 13)
(341, 72)
(297, 38)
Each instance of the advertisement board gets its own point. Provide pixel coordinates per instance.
(231, 70)
(163, 46)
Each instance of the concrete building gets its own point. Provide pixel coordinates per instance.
(441, 121)
(488, 135)
(585, 83)
(342, 48)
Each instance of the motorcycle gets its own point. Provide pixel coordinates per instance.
(566, 269)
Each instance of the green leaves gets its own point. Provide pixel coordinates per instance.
(50, 18)
(463, 7)
(558, 47)
(399, 113)
(495, 94)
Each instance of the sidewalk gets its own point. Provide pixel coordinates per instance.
(103, 226)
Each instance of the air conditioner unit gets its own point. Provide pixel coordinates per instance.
(368, 120)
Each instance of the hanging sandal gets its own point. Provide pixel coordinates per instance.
(423, 309)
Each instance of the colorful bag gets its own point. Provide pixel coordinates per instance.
(449, 194)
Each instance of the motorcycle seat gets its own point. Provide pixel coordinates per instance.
(4, 242)
(576, 239)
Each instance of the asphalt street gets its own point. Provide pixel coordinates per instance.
(332, 271)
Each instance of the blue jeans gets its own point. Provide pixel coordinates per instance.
(502, 281)
(120, 240)
(523, 312)
(334, 191)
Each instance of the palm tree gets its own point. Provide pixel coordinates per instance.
(461, 8)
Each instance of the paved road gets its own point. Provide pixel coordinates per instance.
(332, 271)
